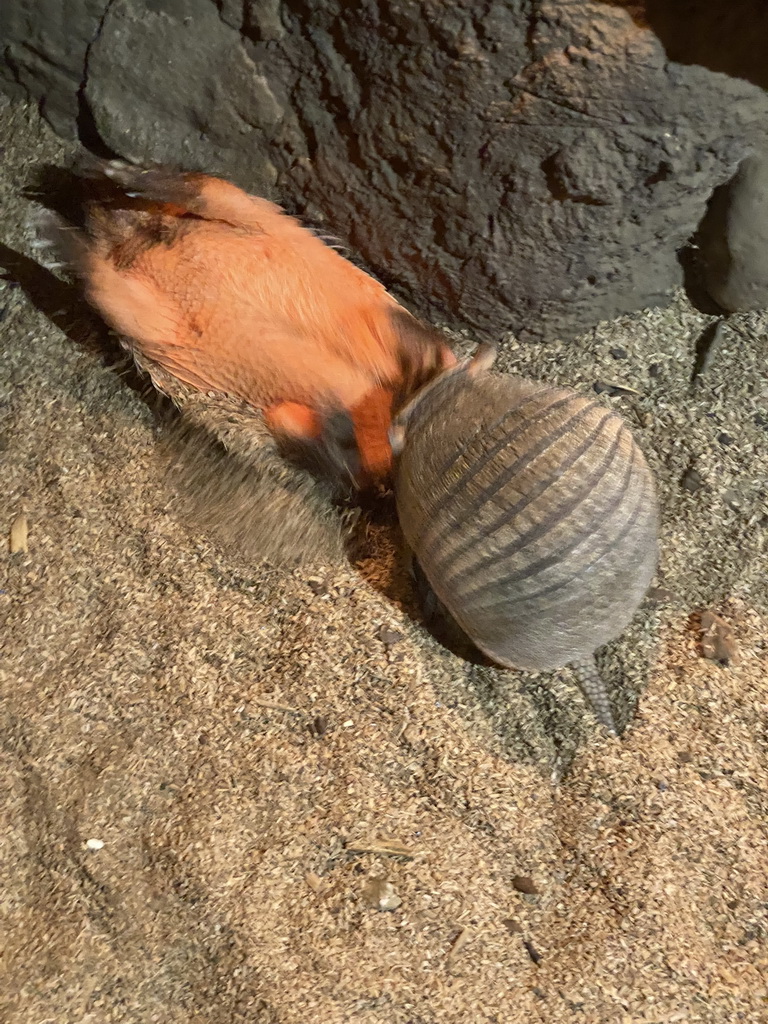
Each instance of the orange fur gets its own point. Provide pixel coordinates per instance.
(293, 419)
(227, 293)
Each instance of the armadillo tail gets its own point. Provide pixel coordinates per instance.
(593, 688)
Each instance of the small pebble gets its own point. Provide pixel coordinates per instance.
(692, 480)
(717, 640)
(725, 438)
(525, 885)
(380, 895)
(318, 726)
(654, 370)
(618, 353)
(389, 637)
(94, 845)
(513, 927)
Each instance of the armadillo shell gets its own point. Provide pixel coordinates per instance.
(533, 514)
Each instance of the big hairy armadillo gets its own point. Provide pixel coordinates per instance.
(218, 291)
(531, 512)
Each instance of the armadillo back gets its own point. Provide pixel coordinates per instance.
(532, 513)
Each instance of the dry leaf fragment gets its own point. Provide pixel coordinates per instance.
(613, 388)
(382, 847)
(717, 640)
(459, 943)
(19, 536)
(315, 882)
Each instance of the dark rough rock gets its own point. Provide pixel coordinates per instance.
(195, 97)
(45, 49)
(523, 164)
(734, 239)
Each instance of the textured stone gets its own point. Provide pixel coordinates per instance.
(193, 98)
(734, 239)
(45, 45)
(533, 166)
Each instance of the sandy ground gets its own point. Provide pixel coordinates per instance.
(215, 771)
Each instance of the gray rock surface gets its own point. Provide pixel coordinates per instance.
(45, 48)
(195, 97)
(734, 239)
(532, 165)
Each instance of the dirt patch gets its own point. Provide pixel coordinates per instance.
(240, 793)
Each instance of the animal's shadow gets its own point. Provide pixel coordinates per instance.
(377, 538)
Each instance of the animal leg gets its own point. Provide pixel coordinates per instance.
(371, 419)
(430, 604)
(327, 446)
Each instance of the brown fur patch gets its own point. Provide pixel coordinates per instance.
(154, 229)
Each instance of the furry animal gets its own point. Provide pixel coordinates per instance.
(223, 293)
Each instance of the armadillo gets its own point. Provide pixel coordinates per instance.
(532, 513)
(217, 291)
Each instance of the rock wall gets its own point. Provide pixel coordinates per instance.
(532, 165)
